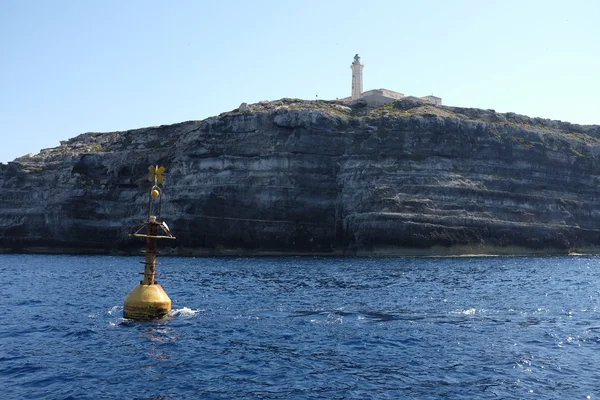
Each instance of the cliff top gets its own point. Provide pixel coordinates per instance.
(152, 137)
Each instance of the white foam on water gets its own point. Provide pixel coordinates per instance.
(119, 321)
(470, 311)
(330, 319)
(115, 310)
(184, 312)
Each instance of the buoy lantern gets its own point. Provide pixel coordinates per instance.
(148, 299)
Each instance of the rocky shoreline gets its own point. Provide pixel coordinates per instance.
(388, 252)
(294, 177)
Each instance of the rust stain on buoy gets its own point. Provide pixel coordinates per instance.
(148, 299)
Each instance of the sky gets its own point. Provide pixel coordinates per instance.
(69, 66)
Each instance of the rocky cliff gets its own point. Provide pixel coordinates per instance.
(295, 177)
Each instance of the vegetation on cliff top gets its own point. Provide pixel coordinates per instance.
(147, 138)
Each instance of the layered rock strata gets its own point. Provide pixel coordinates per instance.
(299, 177)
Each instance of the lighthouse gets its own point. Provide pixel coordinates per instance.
(357, 84)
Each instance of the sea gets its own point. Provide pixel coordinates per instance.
(303, 328)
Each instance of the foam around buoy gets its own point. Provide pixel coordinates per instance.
(146, 302)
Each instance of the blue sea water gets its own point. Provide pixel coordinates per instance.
(303, 328)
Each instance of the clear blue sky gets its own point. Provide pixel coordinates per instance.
(69, 67)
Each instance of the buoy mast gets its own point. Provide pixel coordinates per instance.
(148, 299)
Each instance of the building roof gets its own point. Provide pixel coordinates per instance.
(383, 92)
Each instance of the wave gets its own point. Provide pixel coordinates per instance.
(184, 312)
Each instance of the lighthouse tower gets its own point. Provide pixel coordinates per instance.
(357, 86)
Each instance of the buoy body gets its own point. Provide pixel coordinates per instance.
(146, 302)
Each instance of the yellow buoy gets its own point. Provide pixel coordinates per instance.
(146, 302)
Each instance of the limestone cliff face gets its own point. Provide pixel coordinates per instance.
(296, 177)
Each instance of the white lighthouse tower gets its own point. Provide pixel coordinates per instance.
(357, 86)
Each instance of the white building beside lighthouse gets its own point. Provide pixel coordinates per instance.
(377, 97)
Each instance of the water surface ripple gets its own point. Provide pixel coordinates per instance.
(303, 328)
